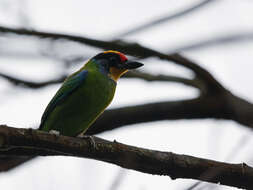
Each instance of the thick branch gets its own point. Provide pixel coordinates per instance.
(199, 108)
(217, 102)
(220, 106)
(204, 107)
(28, 142)
(225, 106)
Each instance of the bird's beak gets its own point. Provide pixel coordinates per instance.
(122, 68)
(130, 65)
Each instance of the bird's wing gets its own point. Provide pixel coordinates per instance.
(68, 87)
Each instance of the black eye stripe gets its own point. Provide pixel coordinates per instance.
(107, 60)
(114, 61)
(108, 56)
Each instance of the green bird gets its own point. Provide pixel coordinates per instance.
(85, 94)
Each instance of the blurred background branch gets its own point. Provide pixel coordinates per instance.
(133, 49)
(165, 18)
(223, 39)
(31, 84)
(68, 48)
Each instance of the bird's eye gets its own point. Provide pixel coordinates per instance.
(113, 61)
(105, 65)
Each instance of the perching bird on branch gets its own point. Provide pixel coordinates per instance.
(85, 94)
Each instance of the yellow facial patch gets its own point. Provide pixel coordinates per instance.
(115, 73)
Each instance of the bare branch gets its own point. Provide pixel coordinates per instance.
(164, 78)
(216, 102)
(132, 74)
(222, 106)
(166, 18)
(11, 162)
(28, 142)
(118, 179)
(212, 85)
(232, 153)
(199, 108)
(30, 84)
(203, 107)
(193, 186)
(214, 41)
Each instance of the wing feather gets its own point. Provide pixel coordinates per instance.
(69, 86)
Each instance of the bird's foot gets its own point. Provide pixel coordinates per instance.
(54, 132)
(91, 139)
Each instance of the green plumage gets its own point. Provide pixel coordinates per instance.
(81, 99)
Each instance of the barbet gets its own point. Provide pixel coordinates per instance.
(85, 94)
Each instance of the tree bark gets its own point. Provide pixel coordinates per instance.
(29, 142)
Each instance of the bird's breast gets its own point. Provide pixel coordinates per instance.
(98, 89)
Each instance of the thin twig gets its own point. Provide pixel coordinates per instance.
(164, 78)
(166, 18)
(214, 41)
(232, 153)
(31, 84)
(118, 179)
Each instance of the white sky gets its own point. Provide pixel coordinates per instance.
(231, 64)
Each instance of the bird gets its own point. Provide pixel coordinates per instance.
(85, 94)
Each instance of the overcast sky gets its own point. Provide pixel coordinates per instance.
(230, 63)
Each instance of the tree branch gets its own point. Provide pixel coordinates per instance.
(166, 18)
(31, 84)
(28, 142)
(131, 74)
(214, 102)
(165, 78)
(214, 41)
(198, 108)
(224, 106)
(134, 49)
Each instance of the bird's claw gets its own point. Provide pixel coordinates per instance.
(55, 132)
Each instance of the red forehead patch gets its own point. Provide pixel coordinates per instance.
(121, 55)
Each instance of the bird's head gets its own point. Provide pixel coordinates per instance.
(114, 63)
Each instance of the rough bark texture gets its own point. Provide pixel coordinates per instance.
(23, 142)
